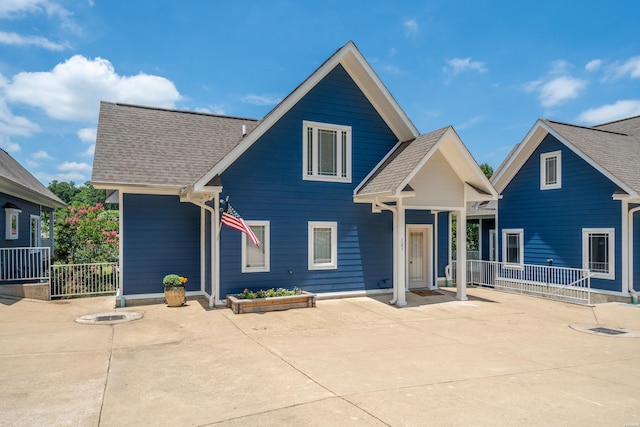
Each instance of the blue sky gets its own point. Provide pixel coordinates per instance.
(489, 68)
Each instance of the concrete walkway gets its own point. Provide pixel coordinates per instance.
(497, 359)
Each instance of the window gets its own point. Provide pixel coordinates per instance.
(513, 246)
(326, 150)
(12, 223)
(323, 245)
(256, 259)
(34, 232)
(598, 251)
(551, 170)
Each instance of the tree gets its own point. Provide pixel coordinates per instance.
(66, 191)
(487, 169)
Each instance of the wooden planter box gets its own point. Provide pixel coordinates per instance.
(261, 305)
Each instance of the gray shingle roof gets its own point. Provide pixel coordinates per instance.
(139, 145)
(20, 183)
(399, 165)
(615, 147)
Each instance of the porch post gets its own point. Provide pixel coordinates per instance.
(461, 252)
(401, 262)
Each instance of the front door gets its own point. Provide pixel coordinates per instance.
(419, 271)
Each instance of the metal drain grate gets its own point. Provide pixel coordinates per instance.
(110, 318)
(607, 331)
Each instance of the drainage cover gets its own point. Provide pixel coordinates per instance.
(608, 331)
(109, 318)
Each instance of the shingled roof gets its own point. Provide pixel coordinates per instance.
(615, 147)
(17, 181)
(400, 164)
(146, 146)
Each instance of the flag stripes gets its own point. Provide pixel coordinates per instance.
(232, 219)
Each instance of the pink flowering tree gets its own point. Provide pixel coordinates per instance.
(86, 234)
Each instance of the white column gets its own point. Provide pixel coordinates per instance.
(401, 261)
(461, 252)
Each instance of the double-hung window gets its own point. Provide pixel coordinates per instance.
(326, 152)
(256, 259)
(513, 246)
(598, 251)
(323, 245)
(551, 170)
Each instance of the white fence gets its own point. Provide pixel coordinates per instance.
(25, 264)
(84, 279)
(559, 283)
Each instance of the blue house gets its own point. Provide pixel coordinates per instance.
(25, 247)
(570, 196)
(343, 192)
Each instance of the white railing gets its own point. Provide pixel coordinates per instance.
(559, 283)
(84, 279)
(24, 264)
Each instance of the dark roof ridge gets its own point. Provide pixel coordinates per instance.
(171, 110)
(585, 127)
(618, 121)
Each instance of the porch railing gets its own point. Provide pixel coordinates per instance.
(558, 283)
(24, 264)
(84, 279)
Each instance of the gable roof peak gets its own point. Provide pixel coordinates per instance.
(595, 129)
(173, 110)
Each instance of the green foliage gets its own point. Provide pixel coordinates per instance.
(85, 195)
(86, 234)
(174, 280)
(487, 169)
(280, 292)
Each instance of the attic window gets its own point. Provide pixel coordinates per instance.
(326, 152)
(551, 170)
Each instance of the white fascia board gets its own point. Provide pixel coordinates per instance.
(21, 192)
(420, 164)
(139, 189)
(339, 57)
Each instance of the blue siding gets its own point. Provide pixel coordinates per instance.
(266, 183)
(24, 221)
(443, 242)
(161, 236)
(553, 219)
(486, 224)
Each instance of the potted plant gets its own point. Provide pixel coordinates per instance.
(174, 291)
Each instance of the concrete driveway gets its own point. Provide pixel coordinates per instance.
(497, 359)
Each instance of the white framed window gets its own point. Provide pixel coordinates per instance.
(12, 224)
(326, 152)
(34, 231)
(598, 251)
(323, 245)
(513, 246)
(256, 259)
(551, 170)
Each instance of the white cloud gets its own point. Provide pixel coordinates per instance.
(32, 163)
(74, 166)
(266, 99)
(73, 89)
(87, 134)
(212, 109)
(593, 65)
(15, 39)
(60, 177)
(41, 155)
(631, 68)
(8, 145)
(90, 151)
(458, 65)
(411, 27)
(15, 9)
(611, 112)
(559, 90)
(15, 125)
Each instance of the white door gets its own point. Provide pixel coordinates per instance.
(419, 272)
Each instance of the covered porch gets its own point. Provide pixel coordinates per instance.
(433, 173)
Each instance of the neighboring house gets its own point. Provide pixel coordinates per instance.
(570, 196)
(344, 194)
(25, 203)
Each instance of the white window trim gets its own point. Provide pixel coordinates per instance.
(314, 176)
(611, 232)
(10, 214)
(265, 243)
(333, 264)
(38, 230)
(543, 170)
(520, 232)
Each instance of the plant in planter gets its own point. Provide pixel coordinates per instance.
(174, 291)
(270, 300)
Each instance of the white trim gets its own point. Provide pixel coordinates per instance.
(265, 245)
(372, 171)
(427, 252)
(121, 242)
(9, 214)
(35, 244)
(315, 176)
(611, 240)
(520, 233)
(493, 244)
(333, 263)
(543, 170)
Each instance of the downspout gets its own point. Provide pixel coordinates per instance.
(379, 205)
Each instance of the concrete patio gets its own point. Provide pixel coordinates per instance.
(497, 359)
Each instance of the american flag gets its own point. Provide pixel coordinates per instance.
(232, 219)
